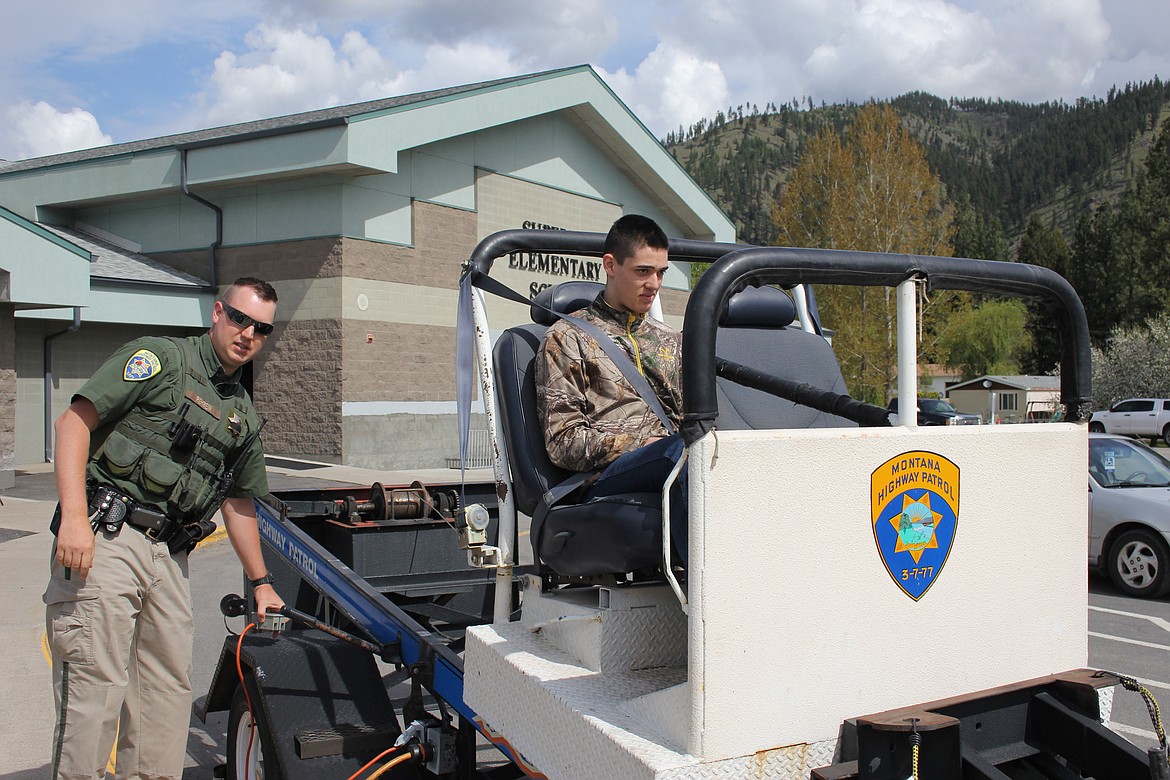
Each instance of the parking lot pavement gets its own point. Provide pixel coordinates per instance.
(26, 719)
(1131, 636)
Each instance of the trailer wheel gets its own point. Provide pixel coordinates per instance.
(244, 727)
(1139, 564)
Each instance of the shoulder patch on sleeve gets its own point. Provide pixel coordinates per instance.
(143, 364)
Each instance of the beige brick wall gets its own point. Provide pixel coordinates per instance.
(308, 259)
(7, 396)
(297, 377)
(403, 363)
(674, 302)
(298, 388)
(404, 441)
(409, 294)
(443, 239)
(506, 202)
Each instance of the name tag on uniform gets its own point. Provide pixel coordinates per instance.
(204, 405)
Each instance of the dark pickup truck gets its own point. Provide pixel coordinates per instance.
(934, 411)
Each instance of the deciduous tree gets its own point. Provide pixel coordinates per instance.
(870, 190)
(1134, 362)
(987, 339)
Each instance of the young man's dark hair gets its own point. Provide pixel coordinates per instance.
(632, 232)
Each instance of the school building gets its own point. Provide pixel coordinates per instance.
(359, 215)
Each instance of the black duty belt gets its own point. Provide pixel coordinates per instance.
(110, 508)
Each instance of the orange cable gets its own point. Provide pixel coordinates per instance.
(247, 696)
(399, 760)
(373, 761)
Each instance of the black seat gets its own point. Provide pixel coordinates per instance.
(756, 330)
(616, 534)
(623, 533)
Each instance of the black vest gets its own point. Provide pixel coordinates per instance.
(172, 458)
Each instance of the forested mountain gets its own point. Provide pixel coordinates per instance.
(1082, 189)
(1005, 161)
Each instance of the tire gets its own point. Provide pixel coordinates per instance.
(1166, 435)
(243, 764)
(1139, 564)
(1096, 427)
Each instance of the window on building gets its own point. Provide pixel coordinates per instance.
(1009, 402)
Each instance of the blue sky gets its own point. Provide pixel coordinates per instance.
(82, 73)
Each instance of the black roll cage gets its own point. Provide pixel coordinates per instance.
(736, 266)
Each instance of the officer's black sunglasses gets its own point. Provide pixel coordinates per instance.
(243, 320)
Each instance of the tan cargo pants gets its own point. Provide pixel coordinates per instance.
(121, 641)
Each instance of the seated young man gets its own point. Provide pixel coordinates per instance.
(593, 418)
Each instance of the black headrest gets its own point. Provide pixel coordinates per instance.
(758, 307)
(566, 298)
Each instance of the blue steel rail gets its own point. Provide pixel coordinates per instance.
(363, 606)
(374, 614)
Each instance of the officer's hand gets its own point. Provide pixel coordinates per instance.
(75, 544)
(267, 601)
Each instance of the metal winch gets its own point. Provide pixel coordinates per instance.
(388, 505)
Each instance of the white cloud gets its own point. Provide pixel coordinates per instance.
(672, 61)
(838, 50)
(535, 32)
(461, 63)
(289, 70)
(671, 87)
(37, 130)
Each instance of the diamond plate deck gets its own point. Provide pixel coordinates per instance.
(577, 703)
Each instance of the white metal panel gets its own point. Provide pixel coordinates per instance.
(782, 541)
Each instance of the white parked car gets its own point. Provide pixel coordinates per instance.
(1148, 418)
(1129, 514)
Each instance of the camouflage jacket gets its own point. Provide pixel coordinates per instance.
(590, 411)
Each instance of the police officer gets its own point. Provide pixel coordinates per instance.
(140, 456)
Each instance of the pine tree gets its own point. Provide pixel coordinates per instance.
(1045, 246)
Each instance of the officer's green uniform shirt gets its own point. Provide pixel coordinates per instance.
(113, 396)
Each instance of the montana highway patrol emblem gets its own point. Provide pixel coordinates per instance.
(914, 500)
(143, 364)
